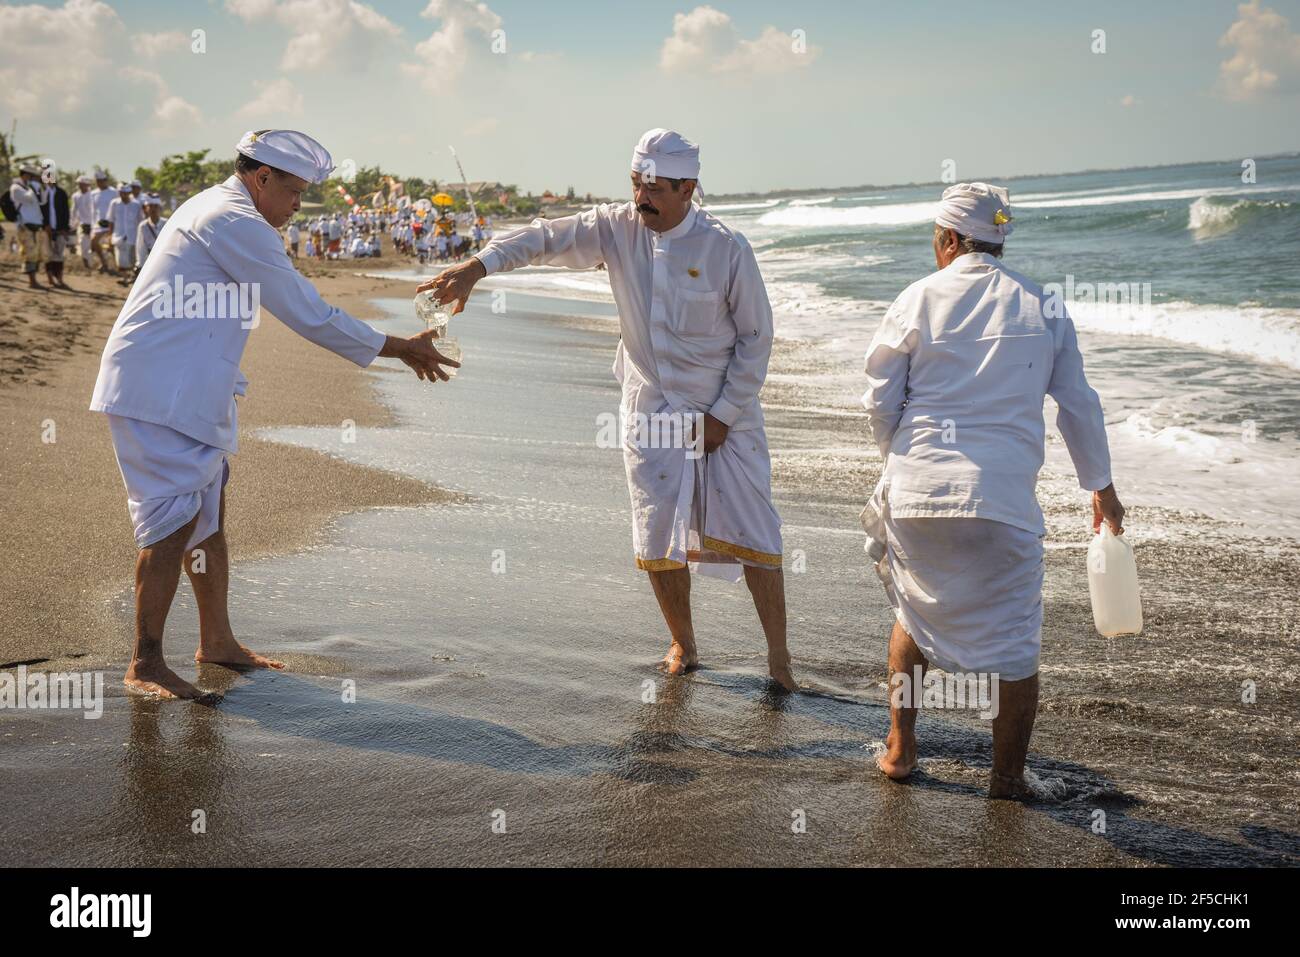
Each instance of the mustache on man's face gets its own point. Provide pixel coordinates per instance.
(646, 208)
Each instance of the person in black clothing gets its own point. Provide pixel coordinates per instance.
(58, 227)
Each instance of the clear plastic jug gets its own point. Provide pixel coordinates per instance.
(437, 316)
(1113, 585)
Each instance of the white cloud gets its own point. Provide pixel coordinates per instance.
(707, 41)
(1266, 54)
(1129, 100)
(174, 110)
(155, 44)
(277, 98)
(50, 57)
(323, 33)
(61, 64)
(167, 107)
(465, 30)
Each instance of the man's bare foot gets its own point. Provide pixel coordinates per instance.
(899, 759)
(231, 652)
(155, 678)
(1007, 787)
(778, 666)
(679, 660)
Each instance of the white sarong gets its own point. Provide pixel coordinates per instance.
(712, 512)
(169, 479)
(969, 591)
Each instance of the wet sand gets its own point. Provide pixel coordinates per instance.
(502, 649)
(66, 541)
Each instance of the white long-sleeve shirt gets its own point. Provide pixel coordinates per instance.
(28, 200)
(100, 201)
(125, 217)
(146, 235)
(83, 208)
(695, 320)
(957, 374)
(173, 355)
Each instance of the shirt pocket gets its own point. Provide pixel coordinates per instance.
(699, 313)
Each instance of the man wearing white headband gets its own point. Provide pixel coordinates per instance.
(101, 235)
(696, 335)
(170, 373)
(957, 374)
(146, 236)
(125, 213)
(83, 216)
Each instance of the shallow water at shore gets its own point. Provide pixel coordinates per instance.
(503, 649)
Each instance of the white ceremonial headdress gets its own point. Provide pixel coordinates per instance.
(152, 199)
(666, 153)
(977, 210)
(84, 180)
(289, 151)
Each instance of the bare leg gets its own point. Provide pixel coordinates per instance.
(673, 590)
(157, 571)
(1017, 708)
(899, 759)
(208, 566)
(767, 586)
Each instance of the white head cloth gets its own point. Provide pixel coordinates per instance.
(289, 151)
(666, 153)
(977, 210)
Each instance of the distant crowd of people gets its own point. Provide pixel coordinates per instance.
(357, 235)
(116, 226)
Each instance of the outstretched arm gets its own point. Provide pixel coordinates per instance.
(251, 252)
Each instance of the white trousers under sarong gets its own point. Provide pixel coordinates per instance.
(169, 477)
(712, 512)
(969, 591)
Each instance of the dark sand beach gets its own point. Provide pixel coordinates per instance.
(471, 651)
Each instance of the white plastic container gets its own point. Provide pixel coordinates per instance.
(1113, 585)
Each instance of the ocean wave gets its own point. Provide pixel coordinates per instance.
(1210, 214)
(905, 214)
(766, 204)
(820, 201)
(1266, 335)
(1180, 439)
(1149, 196)
(890, 214)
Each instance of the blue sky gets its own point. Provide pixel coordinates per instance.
(866, 93)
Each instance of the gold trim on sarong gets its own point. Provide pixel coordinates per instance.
(717, 549)
(740, 551)
(658, 564)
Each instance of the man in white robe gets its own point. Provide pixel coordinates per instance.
(957, 373)
(125, 214)
(101, 233)
(696, 336)
(170, 373)
(83, 217)
(146, 235)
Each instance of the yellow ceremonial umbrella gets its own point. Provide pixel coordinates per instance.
(442, 199)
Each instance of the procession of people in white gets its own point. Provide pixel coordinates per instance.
(956, 373)
(100, 218)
